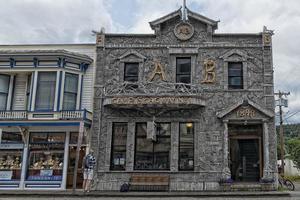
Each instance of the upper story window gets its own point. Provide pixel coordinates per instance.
(70, 91)
(235, 75)
(183, 70)
(4, 88)
(45, 93)
(131, 72)
(28, 89)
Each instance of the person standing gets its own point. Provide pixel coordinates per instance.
(89, 163)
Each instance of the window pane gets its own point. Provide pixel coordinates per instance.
(11, 137)
(4, 83)
(183, 79)
(69, 101)
(3, 101)
(118, 157)
(235, 75)
(71, 83)
(46, 91)
(235, 81)
(186, 146)
(131, 69)
(150, 154)
(183, 65)
(131, 72)
(28, 89)
(46, 157)
(11, 163)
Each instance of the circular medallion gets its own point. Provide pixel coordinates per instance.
(184, 31)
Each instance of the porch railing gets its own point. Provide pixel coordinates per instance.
(45, 115)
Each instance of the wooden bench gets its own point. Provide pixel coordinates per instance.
(147, 182)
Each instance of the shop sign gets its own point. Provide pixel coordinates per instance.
(5, 175)
(11, 146)
(151, 100)
(46, 172)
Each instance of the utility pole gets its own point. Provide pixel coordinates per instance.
(282, 102)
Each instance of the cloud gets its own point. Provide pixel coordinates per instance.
(52, 21)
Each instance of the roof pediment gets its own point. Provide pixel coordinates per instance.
(190, 14)
(132, 55)
(235, 54)
(245, 109)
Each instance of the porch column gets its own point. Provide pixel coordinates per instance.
(267, 170)
(226, 171)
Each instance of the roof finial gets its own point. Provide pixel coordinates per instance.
(184, 11)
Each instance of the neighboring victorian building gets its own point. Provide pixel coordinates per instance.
(185, 102)
(46, 96)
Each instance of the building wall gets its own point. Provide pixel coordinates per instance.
(88, 82)
(209, 130)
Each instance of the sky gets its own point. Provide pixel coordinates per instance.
(72, 21)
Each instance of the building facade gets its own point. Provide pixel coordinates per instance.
(185, 102)
(46, 109)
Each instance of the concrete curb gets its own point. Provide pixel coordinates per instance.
(141, 194)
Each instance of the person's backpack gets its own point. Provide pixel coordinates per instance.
(124, 187)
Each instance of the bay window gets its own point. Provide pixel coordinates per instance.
(70, 91)
(4, 88)
(45, 93)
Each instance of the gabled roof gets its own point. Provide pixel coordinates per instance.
(245, 102)
(179, 13)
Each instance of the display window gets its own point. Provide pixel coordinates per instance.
(11, 153)
(46, 156)
(153, 154)
(186, 146)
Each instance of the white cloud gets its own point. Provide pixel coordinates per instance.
(52, 21)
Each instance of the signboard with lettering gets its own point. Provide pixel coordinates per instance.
(6, 175)
(11, 146)
(151, 100)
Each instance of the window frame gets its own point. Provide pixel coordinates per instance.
(52, 104)
(235, 87)
(112, 166)
(130, 76)
(8, 88)
(153, 148)
(69, 92)
(186, 73)
(193, 129)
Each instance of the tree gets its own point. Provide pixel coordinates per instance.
(293, 149)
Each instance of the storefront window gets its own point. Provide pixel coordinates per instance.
(186, 146)
(46, 156)
(118, 153)
(153, 154)
(11, 151)
(74, 139)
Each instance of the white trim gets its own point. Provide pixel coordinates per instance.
(10, 92)
(56, 90)
(62, 91)
(80, 79)
(66, 159)
(35, 75)
(24, 164)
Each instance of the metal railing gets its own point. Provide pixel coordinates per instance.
(50, 115)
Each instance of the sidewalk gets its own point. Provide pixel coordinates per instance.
(69, 193)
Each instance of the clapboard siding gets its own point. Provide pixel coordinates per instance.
(19, 97)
